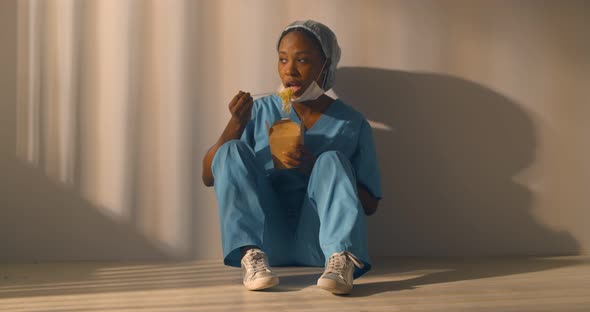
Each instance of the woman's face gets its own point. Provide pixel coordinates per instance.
(300, 62)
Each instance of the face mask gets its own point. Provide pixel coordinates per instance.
(314, 91)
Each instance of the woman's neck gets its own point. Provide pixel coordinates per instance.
(310, 111)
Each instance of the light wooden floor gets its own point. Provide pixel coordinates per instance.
(559, 284)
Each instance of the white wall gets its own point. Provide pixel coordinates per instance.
(487, 102)
(7, 74)
(7, 88)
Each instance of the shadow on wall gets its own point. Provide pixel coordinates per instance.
(447, 167)
(48, 221)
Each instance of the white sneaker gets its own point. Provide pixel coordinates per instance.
(256, 271)
(338, 275)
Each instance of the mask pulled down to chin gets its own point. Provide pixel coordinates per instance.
(312, 92)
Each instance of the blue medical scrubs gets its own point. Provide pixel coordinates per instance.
(297, 219)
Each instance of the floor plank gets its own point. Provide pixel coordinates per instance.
(557, 284)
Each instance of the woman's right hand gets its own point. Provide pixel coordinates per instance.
(241, 108)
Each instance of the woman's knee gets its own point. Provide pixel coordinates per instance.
(331, 158)
(237, 144)
(231, 151)
(332, 163)
(233, 148)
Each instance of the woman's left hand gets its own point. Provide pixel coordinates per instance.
(300, 157)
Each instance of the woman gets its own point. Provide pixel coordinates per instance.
(313, 215)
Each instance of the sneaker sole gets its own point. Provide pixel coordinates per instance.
(333, 287)
(262, 283)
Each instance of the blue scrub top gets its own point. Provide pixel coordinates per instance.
(340, 128)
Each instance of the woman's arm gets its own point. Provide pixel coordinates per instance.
(369, 202)
(241, 109)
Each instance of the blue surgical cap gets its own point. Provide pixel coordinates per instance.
(327, 40)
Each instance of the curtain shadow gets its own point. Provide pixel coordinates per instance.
(448, 164)
(44, 221)
(73, 278)
(49, 220)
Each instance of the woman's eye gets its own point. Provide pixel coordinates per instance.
(302, 60)
(282, 60)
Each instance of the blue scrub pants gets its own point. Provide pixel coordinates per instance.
(297, 220)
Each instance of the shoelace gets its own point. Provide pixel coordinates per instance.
(256, 261)
(337, 262)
